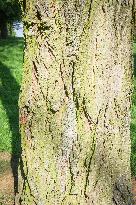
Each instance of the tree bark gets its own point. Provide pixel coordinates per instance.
(75, 103)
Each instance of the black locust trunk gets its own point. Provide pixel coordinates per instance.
(75, 103)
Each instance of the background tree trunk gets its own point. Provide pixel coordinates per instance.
(11, 29)
(75, 103)
(3, 25)
(3, 30)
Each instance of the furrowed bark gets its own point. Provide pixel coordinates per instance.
(75, 103)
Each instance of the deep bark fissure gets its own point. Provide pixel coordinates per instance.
(114, 201)
(37, 76)
(89, 167)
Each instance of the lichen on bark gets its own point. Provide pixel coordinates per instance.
(74, 104)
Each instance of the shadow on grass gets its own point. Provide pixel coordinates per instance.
(9, 94)
(12, 42)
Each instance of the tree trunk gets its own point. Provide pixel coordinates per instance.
(75, 103)
(11, 30)
(3, 30)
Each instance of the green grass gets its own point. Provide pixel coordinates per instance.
(11, 57)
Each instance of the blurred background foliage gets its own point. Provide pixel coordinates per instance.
(10, 12)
